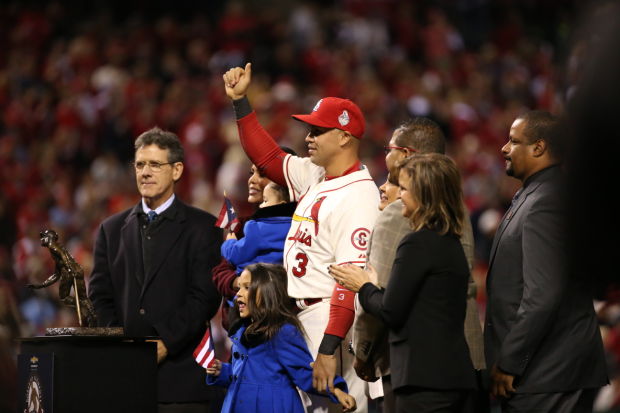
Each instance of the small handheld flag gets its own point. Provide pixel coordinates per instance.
(227, 217)
(204, 354)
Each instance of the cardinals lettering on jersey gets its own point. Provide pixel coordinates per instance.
(302, 236)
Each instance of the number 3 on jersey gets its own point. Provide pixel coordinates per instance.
(302, 261)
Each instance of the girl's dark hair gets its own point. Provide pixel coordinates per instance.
(281, 190)
(268, 301)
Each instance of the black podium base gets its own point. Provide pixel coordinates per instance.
(88, 374)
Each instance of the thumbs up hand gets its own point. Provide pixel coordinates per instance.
(237, 80)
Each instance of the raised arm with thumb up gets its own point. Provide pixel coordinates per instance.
(237, 80)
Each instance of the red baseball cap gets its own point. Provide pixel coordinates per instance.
(336, 113)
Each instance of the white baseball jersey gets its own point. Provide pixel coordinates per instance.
(331, 225)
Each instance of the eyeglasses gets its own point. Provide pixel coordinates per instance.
(387, 149)
(154, 166)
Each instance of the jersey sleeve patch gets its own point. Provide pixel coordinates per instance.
(360, 238)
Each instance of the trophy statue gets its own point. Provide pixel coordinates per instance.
(70, 274)
(59, 371)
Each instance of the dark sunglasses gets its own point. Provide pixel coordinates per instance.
(318, 131)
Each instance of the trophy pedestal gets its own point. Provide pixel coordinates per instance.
(87, 373)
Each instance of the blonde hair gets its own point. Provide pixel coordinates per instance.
(435, 185)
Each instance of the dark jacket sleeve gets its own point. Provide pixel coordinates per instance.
(410, 267)
(100, 289)
(544, 282)
(223, 275)
(202, 300)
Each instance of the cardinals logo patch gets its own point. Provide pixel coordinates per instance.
(314, 213)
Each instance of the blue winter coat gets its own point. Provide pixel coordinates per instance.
(262, 378)
(263, 242)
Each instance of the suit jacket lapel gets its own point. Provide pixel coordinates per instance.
(170, 232)
(131, 243)
(509, 217)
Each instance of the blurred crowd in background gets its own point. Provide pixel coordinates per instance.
(78, 83)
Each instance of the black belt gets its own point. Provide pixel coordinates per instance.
(307, 302)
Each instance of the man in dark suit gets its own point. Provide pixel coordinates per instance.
(541, 336)
(152, 273)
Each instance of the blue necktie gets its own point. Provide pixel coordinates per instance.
(151, 215)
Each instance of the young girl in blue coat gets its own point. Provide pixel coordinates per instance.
(269, 354)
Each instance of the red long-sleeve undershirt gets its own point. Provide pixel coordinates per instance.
(261, 148)
(265, 153)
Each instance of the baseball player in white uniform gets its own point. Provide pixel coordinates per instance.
(337, 207)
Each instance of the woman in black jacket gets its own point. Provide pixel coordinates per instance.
(424, 302)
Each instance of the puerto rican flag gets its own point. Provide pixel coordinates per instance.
(205, 352)
(227, 217)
